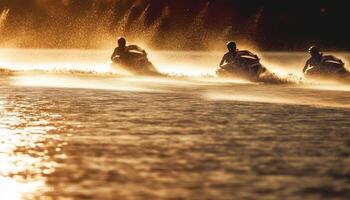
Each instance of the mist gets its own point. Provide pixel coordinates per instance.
(178, 25)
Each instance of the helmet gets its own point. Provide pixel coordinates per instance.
(121, 42)
(314, 50)
(231, 45)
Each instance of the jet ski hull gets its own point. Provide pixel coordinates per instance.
(136, 64)
(249, 69)
(329, 71)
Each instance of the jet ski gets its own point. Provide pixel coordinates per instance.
(136, 63)
(329, 68)
(246, 66)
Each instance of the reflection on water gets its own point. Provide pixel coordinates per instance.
(294, 95)
(17, 190)
(28, 143)
(111, 144)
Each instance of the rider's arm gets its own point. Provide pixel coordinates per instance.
(223, 60)
(330, 57)
(245, 52)
(114, 54)
(307, 64)
(136, 48)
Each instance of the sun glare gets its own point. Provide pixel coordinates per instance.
(16, 190)
(23, 162)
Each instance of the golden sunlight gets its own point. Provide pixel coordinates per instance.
(24, 162)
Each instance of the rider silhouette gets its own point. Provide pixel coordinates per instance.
(233, 54)
(123, 51)
(317, 58)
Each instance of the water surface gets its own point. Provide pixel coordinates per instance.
(68, 136)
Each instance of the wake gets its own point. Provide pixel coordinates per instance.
(267, 78)
(272, 78)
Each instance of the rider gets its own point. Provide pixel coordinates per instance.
(233, 54)
(122, 51)
(317, 58)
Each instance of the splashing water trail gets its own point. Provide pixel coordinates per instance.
(285, 67)
(3, 16)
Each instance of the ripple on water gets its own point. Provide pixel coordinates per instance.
(30, 144)
(103, 144)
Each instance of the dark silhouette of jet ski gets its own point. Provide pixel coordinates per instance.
(329, 68)
(135, 62)
(246, 66)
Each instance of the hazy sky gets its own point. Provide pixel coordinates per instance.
(177, 24)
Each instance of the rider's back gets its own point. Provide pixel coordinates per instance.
(314, 62)
(229, 57)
